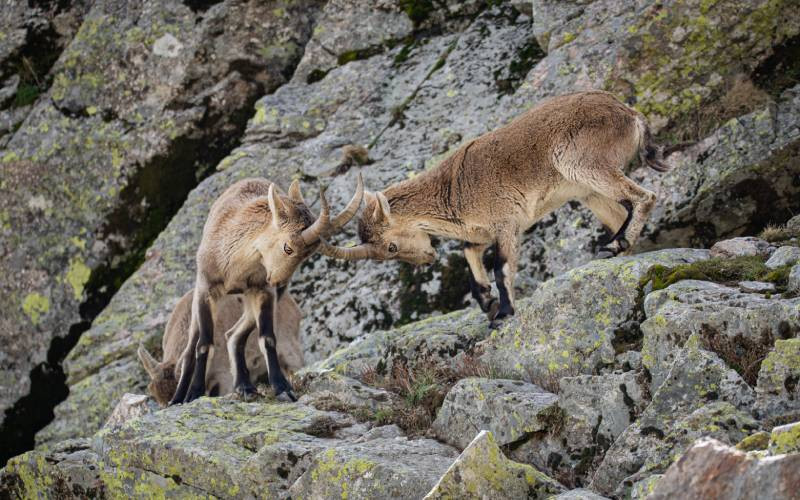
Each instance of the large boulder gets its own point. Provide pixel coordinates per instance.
(710, 469)
(577, 322)
(700, 396)
(509, 409)
(144, 100)
(740, 327)
(482, 471)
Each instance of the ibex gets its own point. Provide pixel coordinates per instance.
(253, 240)
(164, 374)
(493, 188)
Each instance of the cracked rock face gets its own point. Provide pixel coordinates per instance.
(143, 99)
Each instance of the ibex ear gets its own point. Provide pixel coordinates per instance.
(383, 206)
(276, 206)
(149, 363)
(294, 192)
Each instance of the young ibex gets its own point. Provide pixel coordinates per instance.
(164, 374)
(493, 188)
(253, 240)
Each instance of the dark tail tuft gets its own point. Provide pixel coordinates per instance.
(651, 154)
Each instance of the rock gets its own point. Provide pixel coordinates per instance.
(644, 487)
(778, 391)
(509, 409)
(784, 256)
(741, 247)
(129, 407)
(381, 469)
(482, 471)
(700, 396)
(578, 494)
(740, 327)
(523, 6)
(575, 322)
(109, 153)
(785, 439)
(710, 469)
(756, 287)
(793, 224)
(599, 408)
(325, 388)
(793, 282)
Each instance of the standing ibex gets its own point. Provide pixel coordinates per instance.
(493, 188)
(253, 240)
(164, 374)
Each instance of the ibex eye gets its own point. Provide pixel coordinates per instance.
(392, 248)
(287, 249)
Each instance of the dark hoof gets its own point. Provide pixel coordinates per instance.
(246, 392)
(286, 396)
(193, 394)
(493, 309)
(623, 244)
(175, 402)
(605, 253)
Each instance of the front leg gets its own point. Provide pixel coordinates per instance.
(479, 284)
(201, 309)
(268, 343)
(505, 269)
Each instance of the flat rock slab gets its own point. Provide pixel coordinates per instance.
(741, 247)
(383, 468)
(509, 409)
(482, 471)
(711, 469)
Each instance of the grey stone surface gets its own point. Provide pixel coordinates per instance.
(734, 323)
(778, 390)
(482, 471)
(743, 246)
(710, 469)
(509, 409)
(784, 256)
(700, 396)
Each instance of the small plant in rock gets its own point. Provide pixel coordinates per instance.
(718, 270)
(421, 387)
(778, 234)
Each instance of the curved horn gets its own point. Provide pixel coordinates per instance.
(294, 192)
(148, 361)
(312, 233)
(352, 207)
(359, 252)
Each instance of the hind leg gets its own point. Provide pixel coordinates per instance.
(616, 218)
(612, 184)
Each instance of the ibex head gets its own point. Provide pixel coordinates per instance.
(385, 237)
(294, 233)
(162, 376)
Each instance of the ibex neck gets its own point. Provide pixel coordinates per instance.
(425, 201)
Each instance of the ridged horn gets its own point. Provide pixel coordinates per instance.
(320, 226)
(359, 252)
(352, 207)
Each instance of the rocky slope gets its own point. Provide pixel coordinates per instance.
(570, 398)
(143, 112)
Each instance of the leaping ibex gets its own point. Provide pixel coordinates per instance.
(164, 374)
(253, 240)
(493, 188)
